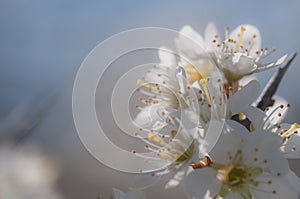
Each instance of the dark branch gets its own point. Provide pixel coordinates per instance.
(265, 99)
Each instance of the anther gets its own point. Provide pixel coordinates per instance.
(279, 114)
(281, 106)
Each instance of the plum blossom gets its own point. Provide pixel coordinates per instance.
(271, 120)
(241, 54)
(244, 167)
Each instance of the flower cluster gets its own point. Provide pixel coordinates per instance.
(204, 122)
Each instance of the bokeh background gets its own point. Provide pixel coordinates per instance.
(42, 44)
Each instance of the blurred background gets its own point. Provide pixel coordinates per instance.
(43, 43)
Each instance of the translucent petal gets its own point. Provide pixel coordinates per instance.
(227, 145)
(274, 118)
(293, 180)
(264, 147)
(248, 35)
(273, 64)
(189, 42)
(238, 64)
(238, 128)
(202, 183)
(176, 179)
(150, 117)
(277, 189)
(244, 97)
(256, 116)
(166, 57)
(143, 181)
(210, 34)
(246, 79)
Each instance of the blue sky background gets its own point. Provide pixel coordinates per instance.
(42, 44)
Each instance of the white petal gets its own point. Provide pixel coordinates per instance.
(118, 194)
(202, 183)
(277, 189)
(209, 34)
(167, 57)
(188, 31)
(244, 97)
(274, 118)
(266, 139)
(189, 42)
(213, 134)
(238, 128)
(176, 179)
(250, 30)
(273, 64)
(246, 79)
(135, 194)
(237, 65)
(264, 146)
(189, 118)
(256, 116)
(143, 181)
(228, 143)
(293, 180)
(181, 78)
(150, 117)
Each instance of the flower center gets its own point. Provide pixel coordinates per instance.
(175, 150)
(237, 176)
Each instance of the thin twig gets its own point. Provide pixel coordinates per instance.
(265, 99)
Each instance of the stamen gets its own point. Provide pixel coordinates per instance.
(203, 82)
(157, 139)
(291, 131)
(238, 45)
(226, 32)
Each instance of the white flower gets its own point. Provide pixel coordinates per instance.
(132, 194)
(168, 91)
(271, 121)
(205, 102)
(175, 149)
(26, 174)
(161, 86)
(244, 167)
(160, 82)
(205, 109)
(195, 51)
(240, 54)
